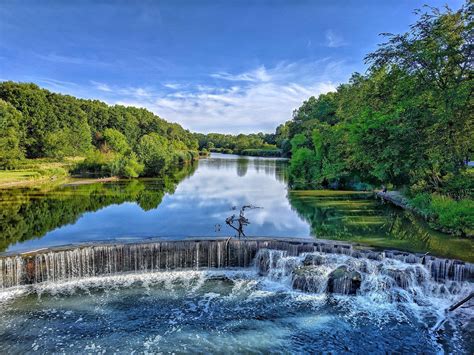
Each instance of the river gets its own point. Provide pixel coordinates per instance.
(196, 200)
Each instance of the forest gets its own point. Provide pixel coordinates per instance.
(407, 123)
(115, 140)
(257, 144)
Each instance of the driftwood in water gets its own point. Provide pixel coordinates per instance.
(450, 309)
(460, 303)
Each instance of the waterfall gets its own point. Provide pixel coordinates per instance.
(273, 257)
(392, 276)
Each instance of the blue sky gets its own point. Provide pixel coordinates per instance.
(221, 66)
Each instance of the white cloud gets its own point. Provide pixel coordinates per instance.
(172, 85)
(334, 40)
(130, 91)
(63, 59)
(257, 75)
(257, 100)
(101, 86)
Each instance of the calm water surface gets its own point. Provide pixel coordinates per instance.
(196, 200)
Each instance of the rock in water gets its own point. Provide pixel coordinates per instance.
(308, 279)
(267, 259)
(313, 259)
(343, 281)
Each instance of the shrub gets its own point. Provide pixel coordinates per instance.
(422, 203)
(95, 163)
(126, 166)
(153, 151)
(445, 212)
(459, 186)
(181, 157)
(455, 215)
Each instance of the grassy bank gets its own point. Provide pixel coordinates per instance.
(36, 171)
(443, 213)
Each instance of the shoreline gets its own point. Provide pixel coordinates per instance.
(397, 199)
(87, 181)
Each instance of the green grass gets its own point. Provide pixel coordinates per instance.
(456, 217)
(18, 175)
(31, 170)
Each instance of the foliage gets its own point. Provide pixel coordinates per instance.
(96, 164)
(445, 212)
(126, 166)
(154, 151)
(457, 216)
(45, 124)
(237, 144)
(115, 141)
(407, 122)
(262, 152)
(459, 186)
(10, 136)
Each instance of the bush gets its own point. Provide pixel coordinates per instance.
(194, 155)
(203, 153)
(126, 166)
(96, 164)
(422, 203)
(459, 186)
(116, 141)
(457, 216)
(153, 151)
(182, 157)
(445, 212)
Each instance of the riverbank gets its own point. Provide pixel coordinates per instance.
(37, 172)
(445, 215)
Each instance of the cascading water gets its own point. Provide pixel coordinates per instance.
(218, 295)
(390, 279)
(108, 259)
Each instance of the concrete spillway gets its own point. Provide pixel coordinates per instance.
(82, 261)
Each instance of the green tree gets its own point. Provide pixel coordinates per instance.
(115, 141)
(153, 151)
(126, 166)
(10, 135)
(437, 53)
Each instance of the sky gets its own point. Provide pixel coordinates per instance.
(213, 66)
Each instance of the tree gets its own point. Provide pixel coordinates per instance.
(153, 151)
(437, 53)
(10, 135)
(36, 112)
(55, 125)
(126, 166)
(116, 141)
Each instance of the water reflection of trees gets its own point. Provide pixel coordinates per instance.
(360, 218)
(31, 213)
(335, 216)
(242, 165)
